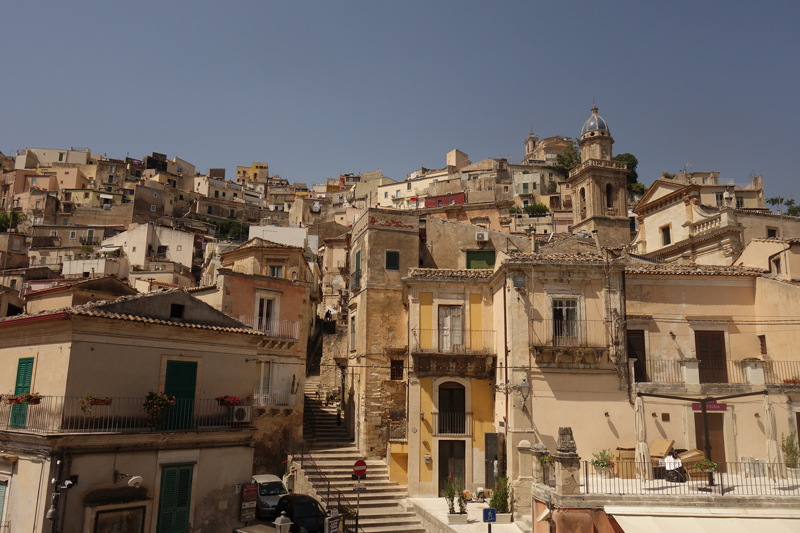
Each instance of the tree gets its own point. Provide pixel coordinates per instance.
(630, 159)
(668, 175)
(569, 158)
(777, 201)
(11, 219)
(536, 209)
(791, 209)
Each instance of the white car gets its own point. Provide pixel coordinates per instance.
(270, 490)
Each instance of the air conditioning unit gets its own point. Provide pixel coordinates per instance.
(482, 236)
(239, 414)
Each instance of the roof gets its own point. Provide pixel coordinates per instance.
(450, 274)
(95, 284)
(691, 270)
(258, 242)
(592, 258)
(595, 122)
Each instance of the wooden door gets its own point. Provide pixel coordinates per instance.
(181, 382)
(450, 328)
(716, 435)
(710, 348)
(451, 463)
(636, 350)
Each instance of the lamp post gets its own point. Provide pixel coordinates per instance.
(282, 523)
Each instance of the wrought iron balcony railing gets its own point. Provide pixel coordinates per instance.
(452, 341)
(289, 329)
(568, 333)
(454, 424)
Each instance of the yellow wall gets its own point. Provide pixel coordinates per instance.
(426, 429)
(426, 319)
(482, 412)
(398, 462)
(476, 321)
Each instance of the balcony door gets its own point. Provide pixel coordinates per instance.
(451, 328)
(266, 312)
(181, 382)
(19, 412)
(716, 436)
(565, 322)
(636, 350)
(452, 409)
(710, 347)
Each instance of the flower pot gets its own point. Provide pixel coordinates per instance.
(100, 401)
(504, 518)
(791, 381)
(457, 518)
(13, 401)
(603, 471)
(34, 401)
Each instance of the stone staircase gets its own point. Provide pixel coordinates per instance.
(328, 463)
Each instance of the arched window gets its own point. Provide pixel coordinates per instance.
(452, 407)
(582, 206)
(609, 196)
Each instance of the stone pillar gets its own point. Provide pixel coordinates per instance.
(631, 372)
(568, 463)
(753, 371)
(538, 451)
(525, 467)
(524, 482)
(690, 370)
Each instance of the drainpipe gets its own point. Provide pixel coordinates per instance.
(65, 473)
(505, 348)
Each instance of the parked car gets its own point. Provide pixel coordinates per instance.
(270, 490)
(305, 512)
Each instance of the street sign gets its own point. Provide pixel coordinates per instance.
(360, 468)
(250, 492)
(489, 515)
(359, 487)
(249, 497)
(710, 406)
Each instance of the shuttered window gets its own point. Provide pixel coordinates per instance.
(19, 412)
(173, 506)
(710, 347)
(3, 486)
(392, 260)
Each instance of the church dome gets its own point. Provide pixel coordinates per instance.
(595, 123)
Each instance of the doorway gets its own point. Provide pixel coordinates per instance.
(452, 409)
(636, 350)
(180, 382)
(451, 463)
(710, 348)
(716, 435)
(450, 328)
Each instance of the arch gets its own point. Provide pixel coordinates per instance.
(609, 196)
(582, 203)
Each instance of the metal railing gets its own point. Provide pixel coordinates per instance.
(459, 424)
(655, 371)
(568, 333)
(277, 397)
(397, 430)
(288, 329)
(355, 280)
(58, 414)
(457, 341)
(735, 479)
(721, 372)
(328, 495)
(782, 372)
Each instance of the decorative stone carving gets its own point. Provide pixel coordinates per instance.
(568, 463)
(566, 447)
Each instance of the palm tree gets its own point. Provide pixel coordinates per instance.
(9, 220)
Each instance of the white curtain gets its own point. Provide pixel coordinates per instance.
(644, 465)
(776, 468)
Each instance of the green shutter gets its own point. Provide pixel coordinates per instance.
(175, 501)
(3, 485)
(19, 412)
(181, 382)
(392, 260)
(480, 259)
(358, 260)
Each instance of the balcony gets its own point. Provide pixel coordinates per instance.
(568, 333)
(452, 424)
(397, 430)
(452, 341)
(692, 371)
(355, 281)
(275, 398)
(283, 329)
(58, 414)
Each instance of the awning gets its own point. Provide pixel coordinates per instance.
(700, 520)
(107, 196)
(108, 249)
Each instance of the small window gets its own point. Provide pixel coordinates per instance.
(209, 210)
(739, 202)
(230, 214)
(408, 186)
(452, 201)
(152, 208)
(762, 341)
(176, 311)
(61, 156)
(111, 178)
(524, 188)
(155, 195)
(665, 236)
(72, 234)
(276, 271)
(438, 203)
(772, 233)
(353, 331)
(720, 199)
(179, 247)
(54, 233)
(397, 370)
(216, 194)
(108, 189)
(133, 249)
(777, 264)
(85, 195)
(180, 197)
(65, 222)
(505, 189)
(392, 260)
(386, 194)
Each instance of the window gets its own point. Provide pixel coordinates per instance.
(61, 156)
(452, 201)
(152, 208)
(762, 341)
(525, 202)
(180, 197)
(392, 260)
(505, 188)
(772, 233)
(739, 202)
(54, 233)
(175, 501)
(480, 259)
(65, 222)
(408, 186)
(276, 271)
(111, 179)
(524, 188)
(386, 194)
(176, 311)
(353, 331)
(777, 266)
(710, 350)
(33, 182)
(39, 202)
(609, 196)
(396, 373)
(209, 210)
(155, 195)
(216, 194)
(665, 236)
(720, 199)
(85, 195)
(230, 214)
(438, 203)
(72, 234)
(179, 247)
(108, 189)
(565, 321)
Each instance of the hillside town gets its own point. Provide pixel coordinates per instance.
(544, 337)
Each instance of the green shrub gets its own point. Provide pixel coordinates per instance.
(450, 496)
(499, 500)
(791, 454)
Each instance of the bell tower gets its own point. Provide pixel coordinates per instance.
(599, 186)
(530, 145)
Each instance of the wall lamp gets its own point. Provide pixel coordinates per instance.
(525, 390)
(422, 415)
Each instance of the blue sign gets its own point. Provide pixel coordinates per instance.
(489, 515)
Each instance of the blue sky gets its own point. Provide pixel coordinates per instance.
(319, 88)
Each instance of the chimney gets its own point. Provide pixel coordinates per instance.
(534, 244)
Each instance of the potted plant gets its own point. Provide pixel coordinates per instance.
(228, 401)
(90, 400)
(13, 400)
(450, 497)
(603, 462)
(155, 403)
(546, 461)
(705, 466)
(31, 398)
(463, 496)
(791, 453)
(500, 501)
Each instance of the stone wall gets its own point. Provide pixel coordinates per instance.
(333, 345)
(277, 429)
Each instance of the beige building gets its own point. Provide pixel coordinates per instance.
(147, 243)
(113, 459)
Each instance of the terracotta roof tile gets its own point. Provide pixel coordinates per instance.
(691, 270)
(451, 274)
